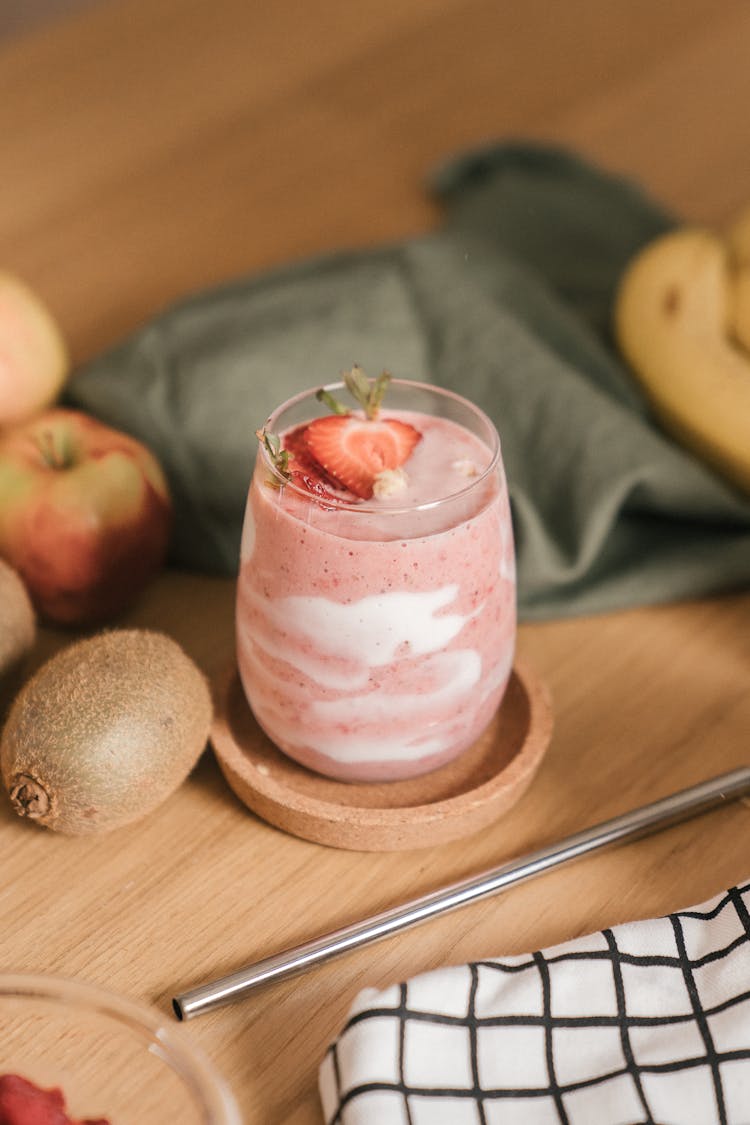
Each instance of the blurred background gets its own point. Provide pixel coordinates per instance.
(258, 129)
(17, 16)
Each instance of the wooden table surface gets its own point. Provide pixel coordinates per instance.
(150, 148)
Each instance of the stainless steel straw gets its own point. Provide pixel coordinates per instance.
(639, 822)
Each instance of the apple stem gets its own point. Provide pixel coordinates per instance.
(54, 456)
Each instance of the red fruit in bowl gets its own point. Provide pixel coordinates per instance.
(23, 1103)
(85, 515)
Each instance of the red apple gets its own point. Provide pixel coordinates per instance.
(85, 514)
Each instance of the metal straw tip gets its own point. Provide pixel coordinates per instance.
(177, 1008)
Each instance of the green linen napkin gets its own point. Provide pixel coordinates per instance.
(509, 303)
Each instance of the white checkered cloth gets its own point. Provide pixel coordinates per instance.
(644, 1024)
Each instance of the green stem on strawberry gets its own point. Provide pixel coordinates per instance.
(332, 403)
(369, 394)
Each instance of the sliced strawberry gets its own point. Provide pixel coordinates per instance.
(354, 450)
(300, 458)
(304, 471)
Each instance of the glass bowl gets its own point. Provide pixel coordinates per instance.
(112, 1058)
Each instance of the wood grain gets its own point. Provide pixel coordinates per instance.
(150, 148)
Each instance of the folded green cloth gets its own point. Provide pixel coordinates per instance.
(509, 303)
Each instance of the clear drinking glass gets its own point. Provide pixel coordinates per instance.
(110, 1057)
(375, 638)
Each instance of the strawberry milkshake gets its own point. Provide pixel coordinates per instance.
(376, 613)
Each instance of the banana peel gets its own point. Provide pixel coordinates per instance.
(679, 326)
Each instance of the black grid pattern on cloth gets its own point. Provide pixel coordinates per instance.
(609, 1028)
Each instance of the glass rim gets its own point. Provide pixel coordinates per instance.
(183, 1057)
(335, 502)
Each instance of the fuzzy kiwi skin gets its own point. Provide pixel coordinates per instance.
(17, 621)
(104, 732)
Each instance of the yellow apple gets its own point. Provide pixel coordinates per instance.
(34, 361)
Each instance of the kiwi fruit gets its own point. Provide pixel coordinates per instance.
(17, 622)
(104, 732)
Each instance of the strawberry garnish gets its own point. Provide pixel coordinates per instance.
(360, 453)
(353, 450)
(301, 460)
(304, 470)
(293, 463)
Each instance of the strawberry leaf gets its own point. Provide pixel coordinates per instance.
(279, 457)
(332, 403)
(358, 386)
(378, 389)
(367, 393)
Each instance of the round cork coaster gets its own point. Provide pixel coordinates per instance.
(456, 800)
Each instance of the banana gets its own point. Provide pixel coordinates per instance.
(738, 240)
(738, 236)
(740, 312)
(675, 323)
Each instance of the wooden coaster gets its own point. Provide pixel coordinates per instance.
(457, 800)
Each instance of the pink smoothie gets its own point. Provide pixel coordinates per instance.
(375, 638)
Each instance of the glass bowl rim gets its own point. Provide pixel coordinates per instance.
(387, 511)
(184, 1058)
